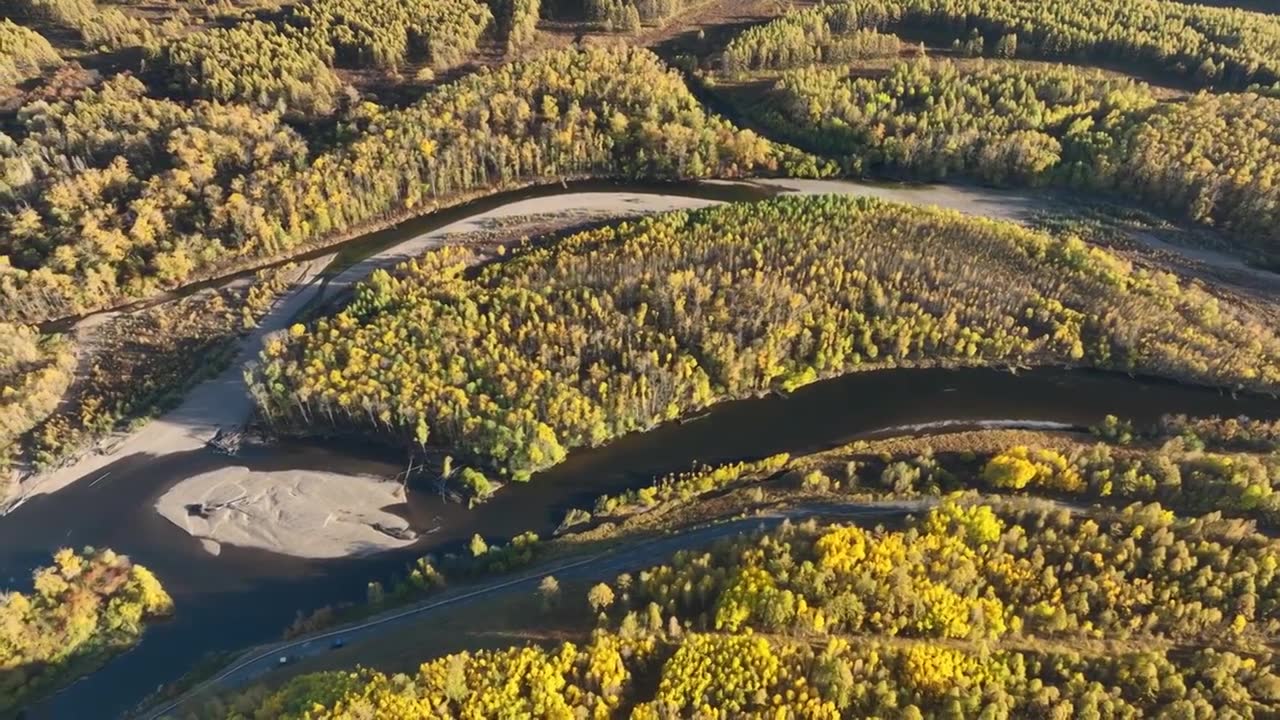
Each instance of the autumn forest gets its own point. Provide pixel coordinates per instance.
(239, 233)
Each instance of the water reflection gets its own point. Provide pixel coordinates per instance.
(242, 596)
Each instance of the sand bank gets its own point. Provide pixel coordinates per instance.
(293, 512)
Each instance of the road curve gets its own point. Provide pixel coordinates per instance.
(224, 401)
(262, 661)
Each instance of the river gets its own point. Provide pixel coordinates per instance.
(243, 597)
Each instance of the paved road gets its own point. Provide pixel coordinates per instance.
(262, 661)
(224, 400)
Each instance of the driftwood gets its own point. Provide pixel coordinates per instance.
(399, 533)
(227, 441)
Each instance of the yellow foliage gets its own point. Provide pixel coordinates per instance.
(1019, 466)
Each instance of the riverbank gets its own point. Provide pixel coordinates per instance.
(601, 563)
(244, 597)
(873, 479)
(133, 366)
(207, 407)
(222, 402)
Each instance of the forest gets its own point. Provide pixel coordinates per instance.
(148, 146)
(717, 676)
(24, 53)
(157, 217)
(1193, 466)
(35, 371)
(104, 26)
(117, 194)
(517, 21)
(825, 33)
(1219, 471)
(385, 33)
(968, 611)
(630, 15)
(288, 66)
(1209, 158)
(617, 329)
(85, 607)
(1208, 47)
(256, 63)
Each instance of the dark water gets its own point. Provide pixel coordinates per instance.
(245, 597)
(359, 248)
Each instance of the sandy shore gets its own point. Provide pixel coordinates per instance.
(1020, 206)
(296, 512)
(223, 402)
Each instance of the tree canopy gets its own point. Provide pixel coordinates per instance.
(117, 194)
(86, 606)
(1211, 158)
(1219, 47)
(618, 329)
(968, 611)
(23, 53)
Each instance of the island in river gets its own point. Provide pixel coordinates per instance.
(245, 596)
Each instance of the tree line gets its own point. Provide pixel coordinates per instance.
(1193, 466)
(117, 195)
(714, 676)
(98, 27)
(630, 15)
(1179, 475)
(1206, 46)
(260, 63)
(620, 328)
(85, 607)
(517, 21)
(24, 53)
(287, 64)
(1208, 158)
(977, 573)
(35, 371)
(386, 33)
(1218, 434)
(825, 33)
(968, 611)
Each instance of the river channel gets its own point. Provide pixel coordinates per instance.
(243, 597)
